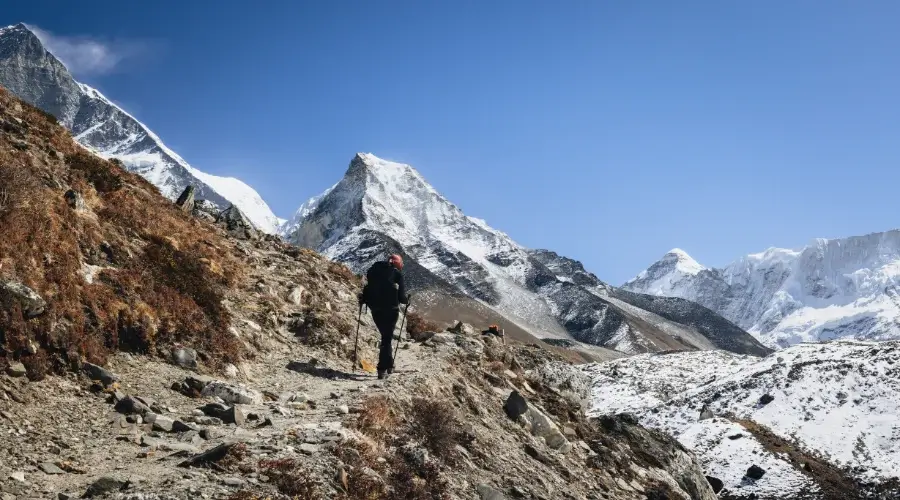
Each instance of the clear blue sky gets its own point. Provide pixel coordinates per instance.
(607, 131)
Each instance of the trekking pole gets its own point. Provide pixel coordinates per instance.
(356, 342)
(400, 337)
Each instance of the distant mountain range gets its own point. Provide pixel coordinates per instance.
(831, 289)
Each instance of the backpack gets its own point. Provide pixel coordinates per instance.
(380, 291)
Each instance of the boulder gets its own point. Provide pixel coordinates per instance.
(296, 295)
(516, 405)
(227, 414)
(131, 406)
(95, 372)
(715, 483)
(74, 200)
(706, 413)
(14, 293)
(206, 210)
(16, 369)
(755, 472)
(487, 492)
(766, 399)
(462, 328)
(105, 485)
(185, 201)
(232, 394)
(237, 224)
(185, 357)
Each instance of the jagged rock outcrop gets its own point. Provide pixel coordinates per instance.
(185, 201)
(237, 224)
(14, 294)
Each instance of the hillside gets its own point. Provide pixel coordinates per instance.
(152, 352)
(33, 74)
(381, 207)
(818, 419)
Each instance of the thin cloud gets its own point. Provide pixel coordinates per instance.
(91, 56)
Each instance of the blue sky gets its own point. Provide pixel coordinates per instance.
(607, 131)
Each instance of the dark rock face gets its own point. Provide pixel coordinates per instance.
(716, 484)
(516, 405)
(186, 200)
(755, 472)
(237, 224)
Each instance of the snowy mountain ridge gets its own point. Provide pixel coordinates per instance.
(382, 206)
(814, 417)
(833, 288)
(28, 70)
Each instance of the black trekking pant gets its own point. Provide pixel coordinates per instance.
(386, 321)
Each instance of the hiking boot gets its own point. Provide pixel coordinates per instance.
(383, 374)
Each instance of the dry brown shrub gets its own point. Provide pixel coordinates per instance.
(435, 425)
(37, 366)
(292, 479)
(341, 271)
(416, 324)
(377, 418)
(166, 274)
(423, 482)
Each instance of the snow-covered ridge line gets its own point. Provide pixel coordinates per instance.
(837, 400)
(833, 288)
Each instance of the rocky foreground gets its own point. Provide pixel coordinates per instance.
(159, 350)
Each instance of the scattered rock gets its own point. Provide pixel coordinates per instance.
(489, 493)
(233, 481)
(206, 210)
(50, 468)
(735, 437)
(296, 296)
(131, 406)
(210, 456)
(104, 485)
(14, 293)
(237, 224)
(185, 357)
(16, 369)
(211, 433)
(192, 387)
(186, 200)
(227, 414)
(74, 200)
(18, 476)
(706, 413)
(309, 449)
(715, 483)
(755, 472)
(233, 394)
(462, 328)
(95, 372)
(231, 371)
(766, 399)
(516, 405)
(343, 409)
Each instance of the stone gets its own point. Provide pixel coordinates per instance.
(516, 405)
(206, 210)
(335, 395)
(706, 413)
(104, 485)
(487, 492)
(185, 447)
(16, 369)
(766, 399)
(211, 433)
(232, 394)
(296, 295)
(131, 406)
(309, 449)
(510, 374)
(227, 414)
(210, 456)
(14, 293)
(95, 372)
(343, 409)
(163, 424)
(231, 371)
(185, 201)
(462, 328)
(237, 224)
(185, 357)
(18, 476)
(715, 483)
(233, 481)
(50, 468)
(74, 200)
(755, 472)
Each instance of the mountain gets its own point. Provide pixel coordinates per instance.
(382, 206)
(33, 74)
(819, 419)
(831, 289)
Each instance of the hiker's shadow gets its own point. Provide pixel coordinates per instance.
(314, 369)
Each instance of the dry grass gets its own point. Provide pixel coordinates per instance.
(416, 324)
(377, 418)
(292, 479)
(435, 425)
(165, 275)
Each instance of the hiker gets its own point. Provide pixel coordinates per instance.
(383, 294)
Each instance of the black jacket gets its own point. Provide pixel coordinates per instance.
(384, 287)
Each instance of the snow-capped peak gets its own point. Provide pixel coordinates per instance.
(683, 262)
(29, 71)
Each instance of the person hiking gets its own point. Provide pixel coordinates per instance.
(383, 293)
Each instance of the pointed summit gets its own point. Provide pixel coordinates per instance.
(683, 262)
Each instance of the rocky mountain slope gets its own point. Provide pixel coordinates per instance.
(381, 206)
(815, 420)
(841, 288)
(29, 71)
(226, 365)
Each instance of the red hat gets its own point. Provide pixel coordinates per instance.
(397, 261)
